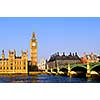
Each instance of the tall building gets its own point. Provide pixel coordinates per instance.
(33, 51)
(19, 64)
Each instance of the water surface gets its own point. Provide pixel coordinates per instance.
(44, 78)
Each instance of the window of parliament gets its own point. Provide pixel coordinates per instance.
(19, 64)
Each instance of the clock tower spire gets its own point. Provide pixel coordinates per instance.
(33, 50)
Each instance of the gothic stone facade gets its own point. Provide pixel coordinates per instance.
(19, 64)
(14, 64)
(33, 50)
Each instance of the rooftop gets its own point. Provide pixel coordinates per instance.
(64, 57)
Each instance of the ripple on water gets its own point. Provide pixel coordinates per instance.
(44, 78)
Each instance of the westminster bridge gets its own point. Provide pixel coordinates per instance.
(88, 69)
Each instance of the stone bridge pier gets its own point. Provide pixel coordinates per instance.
(69, 70)
(88, 74)
(46, 69)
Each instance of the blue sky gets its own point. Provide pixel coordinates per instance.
(53, 34)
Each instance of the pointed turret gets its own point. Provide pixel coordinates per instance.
(3, 55)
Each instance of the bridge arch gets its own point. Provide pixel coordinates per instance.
(95, 68)
(64, 69)
(81, 66)
(80, 69)
(55, 70)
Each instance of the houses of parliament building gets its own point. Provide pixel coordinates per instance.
(19, 64)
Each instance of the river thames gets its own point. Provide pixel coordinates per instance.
(44, 78)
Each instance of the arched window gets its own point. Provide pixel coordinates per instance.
(11, 68)
(24, 62)
(24, 68)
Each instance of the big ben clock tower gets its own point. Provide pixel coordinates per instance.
(33, 48)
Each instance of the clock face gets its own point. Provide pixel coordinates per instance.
(34, 44)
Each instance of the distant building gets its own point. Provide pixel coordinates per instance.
(99, 58)
(63, 60)
(90, 58)
(42, 64)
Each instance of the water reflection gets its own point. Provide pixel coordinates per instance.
(44, 78)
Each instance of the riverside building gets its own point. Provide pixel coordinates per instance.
(63, 60)
(19, 64)
(90, 58)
